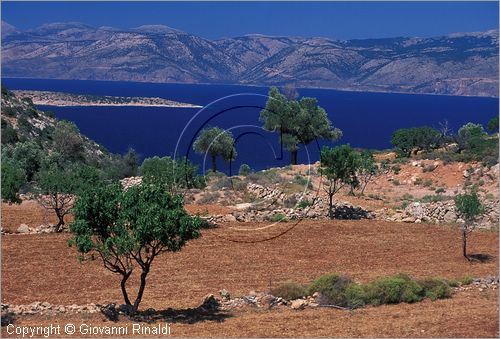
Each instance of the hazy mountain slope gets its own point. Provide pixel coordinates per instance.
(458, 64)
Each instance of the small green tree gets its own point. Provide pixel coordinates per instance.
(215, 142)
(130, 229)
(244, 170)
(411, 140)
(13, 178)
(57, 186)
(493, 124)
(470, 208)
(367, 169)
(68, 142)
(170, 174)
(338, 166)
(28, 155)
(130, 163)
(470, 136)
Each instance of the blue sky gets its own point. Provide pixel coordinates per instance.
(340, 20)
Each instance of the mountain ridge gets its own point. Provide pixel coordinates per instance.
(463, 63)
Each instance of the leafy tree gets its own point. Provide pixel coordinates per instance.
(170, 174)
(57, 186)
(470, 136)
(68, 142)
(215, 142)
(298, 122)
(411, 140)
(244, 170)
(338, 166)
(130, 163)
(367, 169)
(13, 178)
(493, 124)
(28, 155)
(470, 208)
(130, 229)
(9, 134)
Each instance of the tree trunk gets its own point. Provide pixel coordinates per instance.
(464, 243)
(144, 273)
(60, 223)
(330, 209)
(293, 157)
(363, 188)
(214, 164)
(124, 288)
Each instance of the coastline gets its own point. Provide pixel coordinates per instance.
(63, 99)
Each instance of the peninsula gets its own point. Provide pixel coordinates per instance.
(69, 99)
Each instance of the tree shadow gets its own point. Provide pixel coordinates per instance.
(209, 310)
(186, 316)
(480, 257)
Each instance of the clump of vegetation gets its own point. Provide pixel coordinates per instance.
(302, 181)
(244, 170)
(279, 217)
(341, 291)
(440, 190)
(289, 291)
(434, 198)
(396, 182)
(396, 169)
(427, 182)
(170, 173)
(209, 198)
(411, 140)
(304, 203)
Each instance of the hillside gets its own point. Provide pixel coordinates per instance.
(22, 122)
(457, 64)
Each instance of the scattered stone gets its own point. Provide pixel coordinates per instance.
(23, 228)
(298, 304)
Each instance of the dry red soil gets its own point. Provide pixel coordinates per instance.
(44, 268)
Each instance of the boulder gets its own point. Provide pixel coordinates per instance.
(450, 216)
(23, 228)
(299, 304)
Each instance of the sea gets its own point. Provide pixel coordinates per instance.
(367, 119)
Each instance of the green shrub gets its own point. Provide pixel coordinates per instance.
(440, 190)
(244, 170)
(427, 183)
(333, 289)
(396, 169)
(289, 291)
(407, 196)
(434, 198)
(393, 290)
(304, 203)
(418, 181)
(299, 179)
(279, 217)
(467, 280)
(436, 288)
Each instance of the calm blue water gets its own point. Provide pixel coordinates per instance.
(366, 119)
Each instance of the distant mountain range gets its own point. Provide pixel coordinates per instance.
(456, 64)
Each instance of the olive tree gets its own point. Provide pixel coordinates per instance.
(57, 186)
(367, 169)
(470, 208)
(298, 122)
(129, 229)
(493, 124)
(169, 173)
(215, 142)
(68, 141)
(470, 136)
(338, 165)
(411, 140)
(13, 178)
